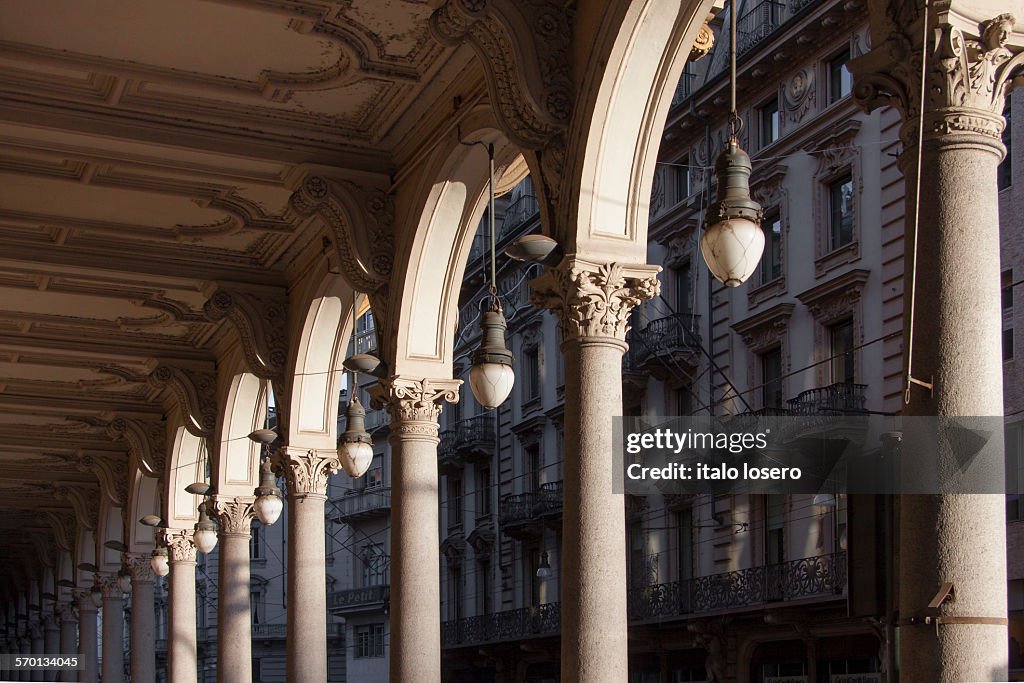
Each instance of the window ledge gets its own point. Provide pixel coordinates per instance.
(848, 253)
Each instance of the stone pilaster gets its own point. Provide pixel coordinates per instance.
(182, 662)
(234, 632)
(415, 405)
(593, 302)
(956, 325)
(143, 649)
(306, 472)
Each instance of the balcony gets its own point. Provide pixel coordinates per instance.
(757, 24)
(633, 375)
(823, 576)
(517, 215)
(516, 624)
(669, 343)
(840, 398)
(365, 504)
(523, 515)
(469, 440)
(377, 419)
(355, 600)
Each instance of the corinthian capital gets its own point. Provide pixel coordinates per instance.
(968, 68)
(415, 404)
(180, 547)
(307, 470)
(108, 584)
(140, 566)
(234, 514)
(594, 300)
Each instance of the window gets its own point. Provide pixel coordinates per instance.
(637, 556)
(1007, 300)
(483, 594)
(531, 373)
(256, 543)
(374, 563)
(454, 501)
(1004, 174)
(682, 179)
(684, 521)
(840, 201)
(531, 584)
(256, 604)
(683, 400)
(455, 591)
(841, 338)
(370, 641)
(533, 467)
(771, 263)
(1007, 291)
(769, 116)
(1008, 344)
(775, 521)
(483, 492)
(840, 82)
(683, 294)
(771, 378)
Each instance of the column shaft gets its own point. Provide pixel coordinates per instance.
(88, 639)
(143, 649)
(38, 649)
(182, 655)
(234, 619)
(593, 589)
(113, 632)
(68, 641)
(594, 301)
(415, 618)
(51, 643)
(307, 589)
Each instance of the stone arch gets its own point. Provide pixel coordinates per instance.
(187, 464)
(450, 203)
(111, 528)
(617, 129)
(143, 499)
(237, 462)
(316, 381)
(85, 552)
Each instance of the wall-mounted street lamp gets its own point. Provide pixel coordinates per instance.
(268, 505)
(544, 570)
(733, 242)
(158, 560)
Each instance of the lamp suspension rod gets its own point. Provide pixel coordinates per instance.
(910, 379)
(490, 212)
(355, 373)
(732, 58)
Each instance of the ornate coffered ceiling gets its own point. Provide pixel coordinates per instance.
(148, 152)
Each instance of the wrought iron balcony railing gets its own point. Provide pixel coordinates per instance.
(474, 436)
(358, 599)
(517, 215)
(758, 23)
(818, 576)
(516, 624)
(370, 502)
(836, 399)
(516, 508)
(366, 341)
(548, 499)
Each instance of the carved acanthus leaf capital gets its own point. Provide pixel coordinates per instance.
(180, 547)
(261, 321)
(966, 78)
(594, 300)
(414, 404)
(141, 567)
(235, 515)
(108, 584)
(307, 470)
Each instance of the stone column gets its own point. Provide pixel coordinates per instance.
(35, 631)
(182, 655)
(113, 630)
(88, 638)
(306, 472)
(234, 620)
(26, 649)
(51, 641)
(593, 302)
(143, 649)
(68, 639)
(415, 618)
(956, 324)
